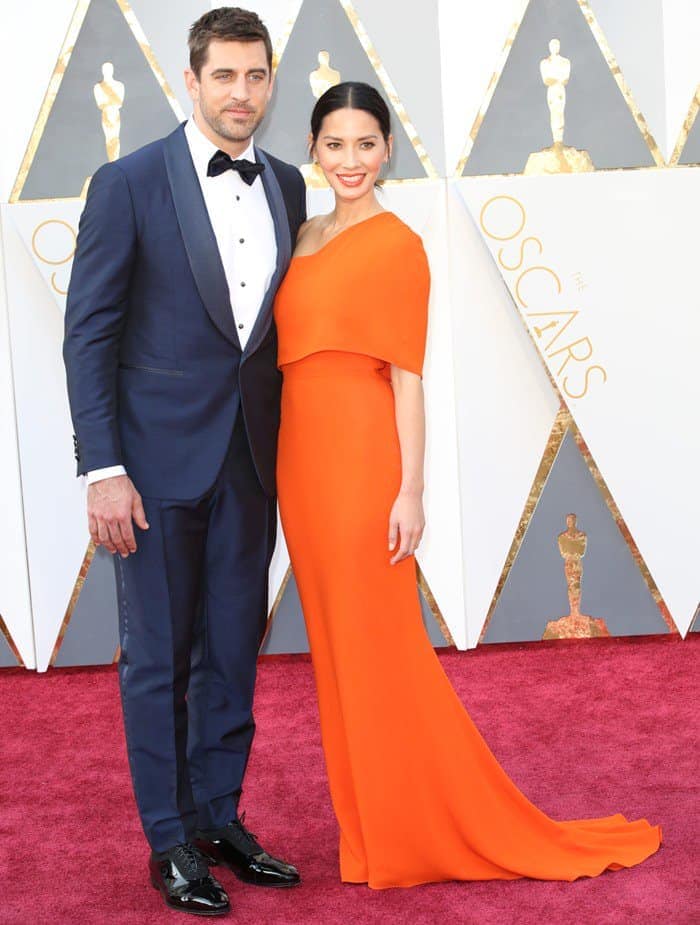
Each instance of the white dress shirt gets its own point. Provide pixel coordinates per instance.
(245, 235)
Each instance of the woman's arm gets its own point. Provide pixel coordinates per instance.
(407, 521)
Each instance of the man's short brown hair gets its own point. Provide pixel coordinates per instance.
(226, 24)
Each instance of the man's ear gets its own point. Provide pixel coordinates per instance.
(192, 84)
(310, 144)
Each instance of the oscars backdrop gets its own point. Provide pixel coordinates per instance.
(547, 152)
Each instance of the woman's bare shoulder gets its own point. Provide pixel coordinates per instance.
(310, 235)
(310, 225)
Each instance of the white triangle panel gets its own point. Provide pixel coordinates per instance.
(440, 554)
(54, 499)
(15, 603)
(681, 42)
(505, 409)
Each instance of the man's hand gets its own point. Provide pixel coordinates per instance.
(111, 505)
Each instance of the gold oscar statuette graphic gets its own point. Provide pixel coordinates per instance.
(559, 158)
(572, 547)
(109, 97)
(321, 79)
(324, 77)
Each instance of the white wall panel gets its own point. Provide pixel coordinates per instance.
(613, 305)
(54, 499)
(623, 242)
(15, 602)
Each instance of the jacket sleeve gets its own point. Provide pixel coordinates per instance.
(96, 309)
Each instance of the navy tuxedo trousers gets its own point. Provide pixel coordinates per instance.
(192, 613)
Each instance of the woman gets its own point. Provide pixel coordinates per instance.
(418, 795)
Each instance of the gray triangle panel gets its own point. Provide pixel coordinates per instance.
(288, 631)
(72, 145)
(691, 149)
(612, 587)
(167, 36)
(93, 631)
(695, 623)
(7, 656)
(418, 89)
(517, 121)
(432, 627)
(322, 25)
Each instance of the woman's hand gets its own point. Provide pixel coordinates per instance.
(406, 522)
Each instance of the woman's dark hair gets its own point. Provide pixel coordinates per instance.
(351, 95)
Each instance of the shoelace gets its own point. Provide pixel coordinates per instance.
(249, 836)
(189, 861)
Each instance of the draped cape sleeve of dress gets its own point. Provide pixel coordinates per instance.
(380, 308)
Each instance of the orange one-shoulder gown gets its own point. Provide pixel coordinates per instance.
(418, 794)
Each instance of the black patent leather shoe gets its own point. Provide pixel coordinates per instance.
(236, 848)
(182, 876)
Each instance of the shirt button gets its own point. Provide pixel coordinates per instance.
(240, 326)
(238, 198)
(242, 284)
(241, 240)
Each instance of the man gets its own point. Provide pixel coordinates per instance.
(170, 351)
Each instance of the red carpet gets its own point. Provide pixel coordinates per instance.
(585, 728)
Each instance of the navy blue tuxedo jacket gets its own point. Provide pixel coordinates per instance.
(155, 370)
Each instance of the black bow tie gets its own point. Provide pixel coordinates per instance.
(221, 162)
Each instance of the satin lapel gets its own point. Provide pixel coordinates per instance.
(198, 235)
(284, 252)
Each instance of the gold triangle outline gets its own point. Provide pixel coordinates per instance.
(150, 57)
(70, 609)
(433, 607)
(695, 621)
(549, 455)
(4, 631)
(686, 128)
(421, 582)
(563, 423)
(624, 529)
(381, 72)
(276, 605)
(60, 69)
(613, 66)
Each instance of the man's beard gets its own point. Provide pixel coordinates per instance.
(222, 128)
